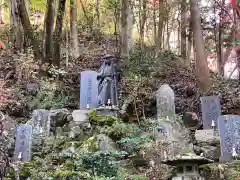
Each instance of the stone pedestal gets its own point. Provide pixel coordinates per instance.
(108, 111)
(80, 116)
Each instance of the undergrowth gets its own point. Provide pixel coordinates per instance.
(142, 64)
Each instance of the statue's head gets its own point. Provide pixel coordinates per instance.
(108, 62)
(107, 56)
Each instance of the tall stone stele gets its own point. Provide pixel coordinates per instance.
(229, 131)
(165, 102)
(165, 108)
(23, 143)
(211, 110)
(88, 90)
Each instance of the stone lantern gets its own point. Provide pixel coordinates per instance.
(188, 166)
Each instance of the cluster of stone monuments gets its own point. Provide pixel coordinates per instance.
(225, 127)
(99, 91)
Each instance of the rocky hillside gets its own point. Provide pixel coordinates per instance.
(75, 151)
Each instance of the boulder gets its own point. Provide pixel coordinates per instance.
(207, 136)
(96, 143)
(208, 143)
(8, 131)
(76, 133)
(191, 120)
(59, 117)
(32, 88)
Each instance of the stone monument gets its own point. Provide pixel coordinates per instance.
(211, 110)
(165, 108)
(229, 131)
(23, 143)
(41, 122)
(88, 90)
(165, 102)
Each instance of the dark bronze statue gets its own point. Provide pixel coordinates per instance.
(108, 78)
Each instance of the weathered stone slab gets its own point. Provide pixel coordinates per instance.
(88, 90)
(229, 131)
(211, 110)
(104, 146)
(41, 122)
(165, 102)
(23, 143)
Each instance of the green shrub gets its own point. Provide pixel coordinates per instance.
(119, 130)
(50, 95)
(98, 163)
(133, 145)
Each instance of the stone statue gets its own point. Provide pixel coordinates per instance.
(107, 82)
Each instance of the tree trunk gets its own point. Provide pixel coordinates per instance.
(89, 21)
(16, 37)
(160, 26)
(58, 32)
(183, 30)
(126, 28)
(202, 71)
(67, 43)
(168, 36)
(74, 29)
(189, 47)
(163, 33)
(2, 12)
(49, 31)
(219, 47)
(98, 14)
(143, 17)
(28, 31)
(154, 22)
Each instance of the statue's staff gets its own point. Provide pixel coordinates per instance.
(115, 84)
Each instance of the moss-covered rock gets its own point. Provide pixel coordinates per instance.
(233, 171)
(95, 118)
(119, 130)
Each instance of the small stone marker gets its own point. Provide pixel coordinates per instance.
(41, 122)
(165, 102)
(23, 143)
(229, 131)
(211, 110)
(88, 90)
(104, 145)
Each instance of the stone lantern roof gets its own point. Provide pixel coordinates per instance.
(189, 159)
